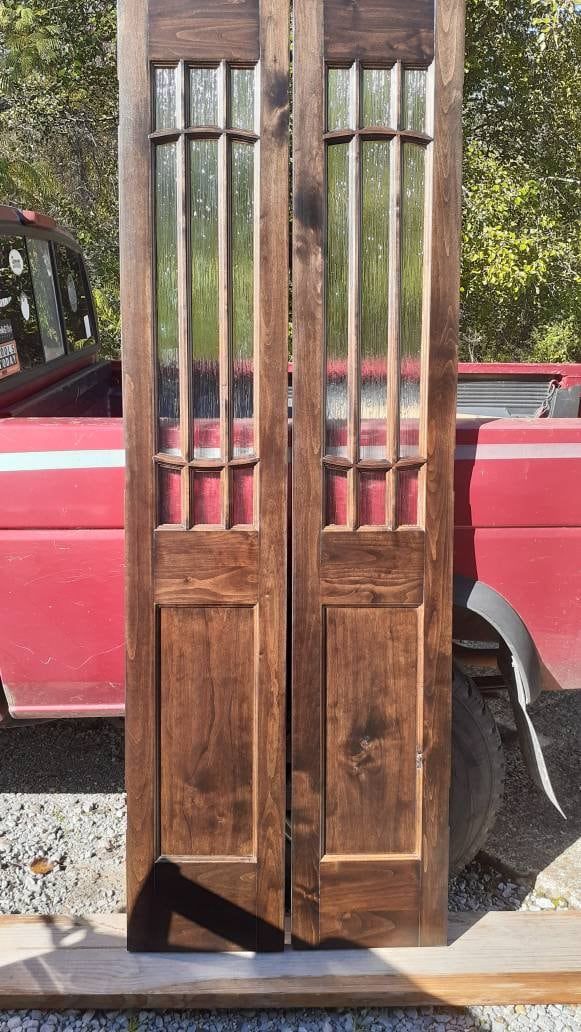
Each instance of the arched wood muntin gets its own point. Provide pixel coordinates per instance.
(206, 582)
(372, 573)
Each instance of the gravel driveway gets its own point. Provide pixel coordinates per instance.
(62, 823)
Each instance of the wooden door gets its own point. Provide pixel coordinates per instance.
(376, 140)
(204, 246)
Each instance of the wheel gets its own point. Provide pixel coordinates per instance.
(477, 772)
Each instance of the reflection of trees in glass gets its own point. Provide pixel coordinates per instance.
(337, 271)
(242, 247)
(204, 263)
(166, 283)
(45, 297)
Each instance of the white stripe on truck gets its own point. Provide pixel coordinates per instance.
(34, 461)
(479, 452)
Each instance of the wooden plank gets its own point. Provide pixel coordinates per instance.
(205, 905)
(495, 958)
(308, 165)
(379, 30)
(365, 567)
(138, 376)
(207, 731)
(204, 30)
(367, 902)
(371, 700)
(440, 427)
(206, 567)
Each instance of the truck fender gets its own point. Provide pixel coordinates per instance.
(520, 665)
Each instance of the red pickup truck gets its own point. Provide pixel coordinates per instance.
(517, 523)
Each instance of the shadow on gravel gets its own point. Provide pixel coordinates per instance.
(63, 756)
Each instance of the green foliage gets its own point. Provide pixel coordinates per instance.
(521, 267)
(521, 272)
(58, 129)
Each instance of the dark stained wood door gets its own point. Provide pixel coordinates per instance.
(376, 140)
(204, 248)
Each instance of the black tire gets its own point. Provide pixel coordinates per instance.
(477, 772)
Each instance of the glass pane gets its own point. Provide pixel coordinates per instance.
(165, 98)
(336, 308)
(207, 497)
(204, 297)
(371, 498)
(242, 98)
(339, 99)
(242, 258)
(46, 299)
(407, 498)
(20, 343)
(376, 97)
(242, 492)
(168, 395)
(203, 96)
(412, 271)
(335, 498)
(374, 296)
(169, 503)
(75, 298)
(414, 99)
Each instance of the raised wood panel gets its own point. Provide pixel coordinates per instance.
(379, 30)
(371, 702)
(369, 902)
(364, 567)
(206, 906)
(200, 568)
(207, 694)
(204, 30)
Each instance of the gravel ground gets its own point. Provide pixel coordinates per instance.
(62, 823)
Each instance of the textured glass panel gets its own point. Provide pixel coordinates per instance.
(336, 308)
(204, 297)
(203, 96)
(45, 296)
(207, 497)
(165, 98)
(414, 99)
(376, 97)
(374, 296)
(169, 504)
(407, 498)
(339, 99)
(335, 498)
(371, 498)
(242, 491)
(242, 98)
(412, 270)
(242, 257)
(168, 395)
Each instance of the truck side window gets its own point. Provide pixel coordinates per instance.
(20, 341)
(46, 298)
(75, 297)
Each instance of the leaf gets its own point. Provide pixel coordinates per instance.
(40, 865)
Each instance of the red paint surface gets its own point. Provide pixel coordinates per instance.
(518, 529)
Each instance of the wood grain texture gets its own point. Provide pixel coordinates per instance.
(369, 902)
(201, 568)
(495, 958)
(440, 423)
(272, 402)
(137, 366)
(367, 567)
(308, 164)
(204, 30)
(379, 30)
(371, 701)
(206, 906)
(207, 731)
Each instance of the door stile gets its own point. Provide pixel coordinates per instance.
(308, 316)
(439, 471)
(136, 238)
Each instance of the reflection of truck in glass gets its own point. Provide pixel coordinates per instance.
(517, 523)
